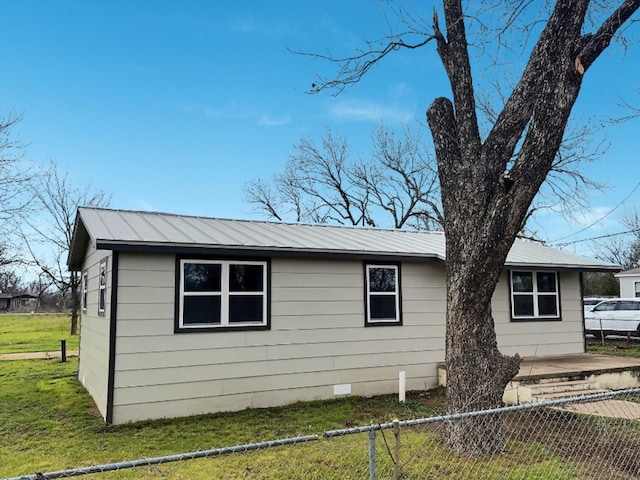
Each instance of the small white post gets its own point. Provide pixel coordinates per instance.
(402, 385)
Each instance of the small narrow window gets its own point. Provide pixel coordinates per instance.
(85, 290)
(534, 295)
(382, 286)
(636, 289)
(102, 286)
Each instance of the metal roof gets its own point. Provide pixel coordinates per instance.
(130, 230)
(631, 273)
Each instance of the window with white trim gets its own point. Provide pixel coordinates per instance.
(85, 290)
(102, 286)
(534, 295)
(636, 289)
(382, 284)
(222, 294)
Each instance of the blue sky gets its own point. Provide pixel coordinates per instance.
(173, 106)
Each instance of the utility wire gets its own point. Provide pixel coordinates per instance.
(598, 220)
(600, 237)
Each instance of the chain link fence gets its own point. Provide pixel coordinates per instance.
(587, 437)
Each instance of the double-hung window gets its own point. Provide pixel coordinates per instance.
(636, 289)
(382, 285)
(219, 294)
(534, 295)
(102, 286)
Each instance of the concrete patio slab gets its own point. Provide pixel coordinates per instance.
(555, 366)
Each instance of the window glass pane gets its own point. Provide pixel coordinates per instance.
(101, 299)
(202, 277)
(637, 289)
(103, 274)
(245, 308)
(522, 281)
(383, 307)
(605, 307)
(382, 279)
(523, 305)
(547, 305)
(201, 310)
(546, 281)
(245, 278)
(627, 305)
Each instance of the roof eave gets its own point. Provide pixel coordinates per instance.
(566, 266)
(78, 246)
(212, 249)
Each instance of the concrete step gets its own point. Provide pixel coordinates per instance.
(567, 394)
(560, 387)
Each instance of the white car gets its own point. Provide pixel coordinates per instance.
(616, 316)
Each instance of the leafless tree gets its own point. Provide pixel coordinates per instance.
(490, 176)
(623, 250)
(49, 234)
(16, 175)
(395, 186)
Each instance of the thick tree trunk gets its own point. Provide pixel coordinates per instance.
(75, 302)
(477, 372)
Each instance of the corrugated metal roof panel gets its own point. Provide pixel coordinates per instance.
(123, 227)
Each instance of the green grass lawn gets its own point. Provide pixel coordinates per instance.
(619, 347)
(35, 333)
(49, 423)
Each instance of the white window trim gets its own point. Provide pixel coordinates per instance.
(636, 289)
(102, 287)
(224, 294)
(396, 293)
(535, 295)
(85, 290)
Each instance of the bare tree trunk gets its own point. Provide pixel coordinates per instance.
(477, 372)
(75, 302)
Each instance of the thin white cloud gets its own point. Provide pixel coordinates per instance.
(223, 112)
(248, 25)
(401, 90)
(267, 120)
(367, 111)
(144, 205)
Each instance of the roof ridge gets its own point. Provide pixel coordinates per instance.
(262, 221)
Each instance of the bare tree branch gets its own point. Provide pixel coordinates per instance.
(48, 236)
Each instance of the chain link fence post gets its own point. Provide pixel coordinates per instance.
(372, 455)
(397, 468)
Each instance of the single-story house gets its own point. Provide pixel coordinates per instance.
(18, 302)
(184, 315)
(629, 283)
(5, 301)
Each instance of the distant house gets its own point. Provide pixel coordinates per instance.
(5, 301)
(18, 302)
(629, 283)
(186, 315)
(24, 302)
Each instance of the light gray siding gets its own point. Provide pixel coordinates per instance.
(94, 332)
(317, 340)
(628, 285)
